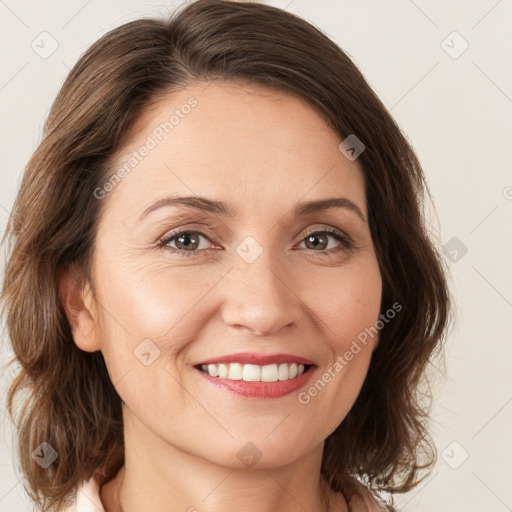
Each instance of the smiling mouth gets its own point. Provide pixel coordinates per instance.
(253, 372)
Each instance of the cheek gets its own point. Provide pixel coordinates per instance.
(155, 302)
(347, 314)
(346, 303)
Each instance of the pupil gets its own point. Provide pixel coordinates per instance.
(313, 237)
(186, 237)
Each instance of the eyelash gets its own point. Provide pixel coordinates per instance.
(346, 243)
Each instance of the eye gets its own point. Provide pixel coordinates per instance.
(188, 242)
(317, 241)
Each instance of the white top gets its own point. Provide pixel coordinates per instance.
(87, 498)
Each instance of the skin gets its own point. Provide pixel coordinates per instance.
(263, 152)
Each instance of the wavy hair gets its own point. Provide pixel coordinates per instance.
(62, 395)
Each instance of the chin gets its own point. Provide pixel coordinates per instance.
(260, 451)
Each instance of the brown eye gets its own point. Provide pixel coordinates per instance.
(185, 242)
(318, 241)
(188, 243)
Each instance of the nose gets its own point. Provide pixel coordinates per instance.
(260, 298)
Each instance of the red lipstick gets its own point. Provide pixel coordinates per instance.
(258, 389)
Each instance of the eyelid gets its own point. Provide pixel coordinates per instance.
(346, 242)
(165, 239)
(328, 228)
(203, 229)
(211, 231)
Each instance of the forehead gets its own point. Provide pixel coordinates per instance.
(245, 144)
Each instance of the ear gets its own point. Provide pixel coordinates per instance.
(78, 302)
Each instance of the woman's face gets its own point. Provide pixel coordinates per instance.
(255, 273)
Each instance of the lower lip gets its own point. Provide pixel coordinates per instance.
(259, 389)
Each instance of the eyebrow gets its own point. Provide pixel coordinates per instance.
(222, 208)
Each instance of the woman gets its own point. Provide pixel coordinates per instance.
(220, 291)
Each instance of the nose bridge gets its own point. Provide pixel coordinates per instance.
(257, 295)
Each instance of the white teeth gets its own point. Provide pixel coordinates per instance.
(269, 373)
(223, 371)
(213, 370)
(253, 372)
(235, 371)
(283, 371)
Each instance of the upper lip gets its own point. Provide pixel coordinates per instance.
(258, 359)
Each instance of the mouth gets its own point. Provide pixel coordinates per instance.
(273, 377)
(253, 372)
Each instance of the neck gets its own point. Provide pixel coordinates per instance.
(161, 478)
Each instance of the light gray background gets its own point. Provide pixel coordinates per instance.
(457, 113)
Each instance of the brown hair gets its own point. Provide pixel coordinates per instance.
(65, 394)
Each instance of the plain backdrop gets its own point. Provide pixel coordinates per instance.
(443, 69)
